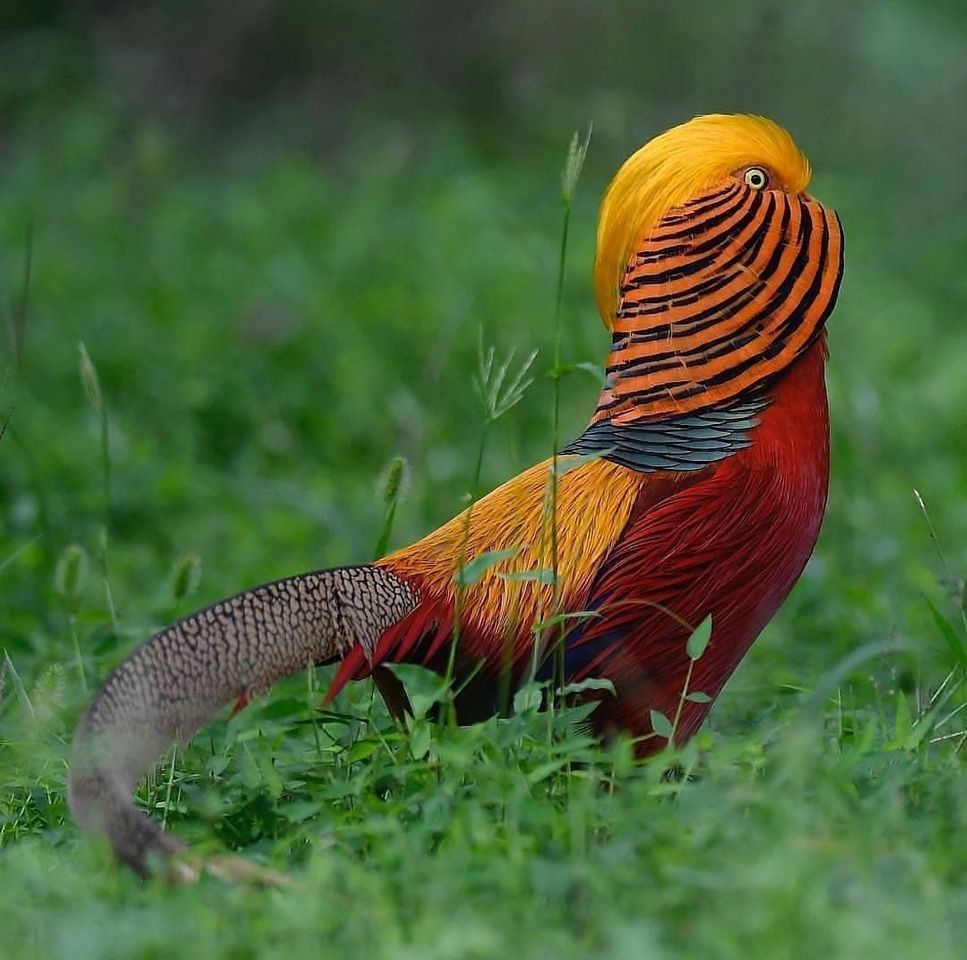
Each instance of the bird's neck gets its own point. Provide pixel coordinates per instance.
(793, 431)
(788, 465)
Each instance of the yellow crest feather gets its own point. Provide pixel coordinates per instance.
(677, 165)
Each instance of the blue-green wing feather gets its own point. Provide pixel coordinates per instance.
(689, 442)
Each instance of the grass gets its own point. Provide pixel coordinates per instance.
(266, 336)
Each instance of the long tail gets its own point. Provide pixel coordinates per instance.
(176, 681)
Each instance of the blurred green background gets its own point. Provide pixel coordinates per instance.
(280, 228)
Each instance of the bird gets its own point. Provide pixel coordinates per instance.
(695, 495)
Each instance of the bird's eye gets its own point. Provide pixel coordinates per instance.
(756, 177)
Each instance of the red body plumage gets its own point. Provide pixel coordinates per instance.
(729, 541)
(730, 545)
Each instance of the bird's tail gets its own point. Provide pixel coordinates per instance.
(176, 681)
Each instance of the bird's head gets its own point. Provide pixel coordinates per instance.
(715, 269)
(681, 164)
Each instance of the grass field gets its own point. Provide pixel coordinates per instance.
(264, 335)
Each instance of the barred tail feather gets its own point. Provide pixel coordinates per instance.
(176, 682)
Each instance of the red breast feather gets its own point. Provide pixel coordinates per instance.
(732, 545)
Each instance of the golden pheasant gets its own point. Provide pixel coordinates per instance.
(696, 491)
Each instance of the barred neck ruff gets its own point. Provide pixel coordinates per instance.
(719, 299)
